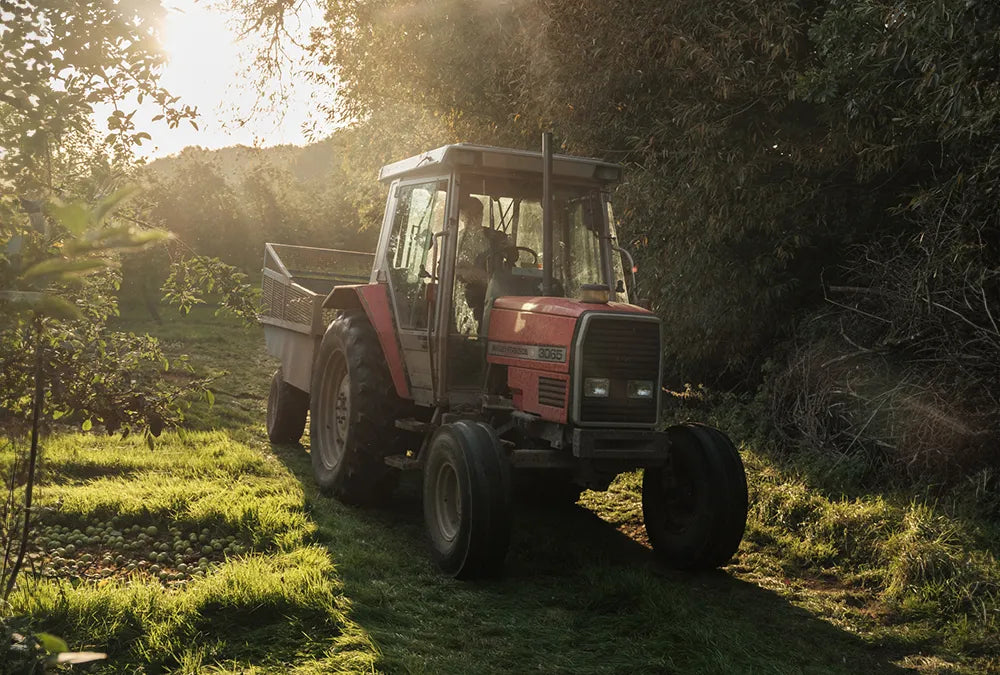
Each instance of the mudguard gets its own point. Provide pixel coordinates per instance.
(373, 299)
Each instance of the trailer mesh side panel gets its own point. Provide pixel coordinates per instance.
(620, 349)
(297, 278)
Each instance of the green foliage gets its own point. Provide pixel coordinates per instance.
(194, 278)
(227, 203)
(26, 653)
(64, 57)
(59, 248)
(63, 284)
(772, 147)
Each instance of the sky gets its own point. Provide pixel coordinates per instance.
(206, 68)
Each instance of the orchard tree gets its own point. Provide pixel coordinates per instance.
(61, 181)
(63, 59)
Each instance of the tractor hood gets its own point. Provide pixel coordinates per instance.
(562, 306)
(539, 330)
(541, 340)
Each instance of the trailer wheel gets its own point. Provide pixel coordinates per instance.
(467, 503)
(352, 409)
(286, 411)
(696, 508)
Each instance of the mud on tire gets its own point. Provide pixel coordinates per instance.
(353, 407)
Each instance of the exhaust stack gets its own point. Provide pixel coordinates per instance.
(548, 259)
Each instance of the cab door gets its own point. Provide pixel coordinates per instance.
(412, 255)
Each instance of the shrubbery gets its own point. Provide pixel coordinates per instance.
(809, 186)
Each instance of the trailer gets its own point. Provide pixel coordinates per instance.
(296, 281)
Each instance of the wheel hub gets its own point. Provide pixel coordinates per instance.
(682, 498)
(336, 416)
(447, 506)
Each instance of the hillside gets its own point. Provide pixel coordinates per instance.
(315, 163)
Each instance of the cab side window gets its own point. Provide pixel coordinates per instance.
(420, 214)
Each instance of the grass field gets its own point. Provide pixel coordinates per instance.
(214, 553)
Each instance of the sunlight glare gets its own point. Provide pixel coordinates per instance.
(206, 64)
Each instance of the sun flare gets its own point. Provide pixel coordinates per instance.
(206, 63)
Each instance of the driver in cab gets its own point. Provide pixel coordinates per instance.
(479, 250)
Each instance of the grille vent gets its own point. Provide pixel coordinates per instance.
(552, 392)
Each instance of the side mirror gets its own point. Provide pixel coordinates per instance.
(631, 268)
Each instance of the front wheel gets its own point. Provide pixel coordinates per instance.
(467, 502)
(695, 509)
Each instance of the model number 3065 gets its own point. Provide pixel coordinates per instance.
(551, 353)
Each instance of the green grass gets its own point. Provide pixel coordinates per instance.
(824, 582)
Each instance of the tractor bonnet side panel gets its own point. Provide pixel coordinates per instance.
(535, 348)
(533, 337)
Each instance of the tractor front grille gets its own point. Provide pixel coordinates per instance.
(619, 348)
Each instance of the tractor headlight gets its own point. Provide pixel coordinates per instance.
(640, 389)
(596, 387)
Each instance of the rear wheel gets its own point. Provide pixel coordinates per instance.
(467, 503)
(286, 410)
(696, 508)
(353, 408)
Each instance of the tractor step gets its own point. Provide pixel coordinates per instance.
(404, 462)
(416, 426)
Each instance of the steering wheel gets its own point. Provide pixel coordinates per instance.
(512, 259)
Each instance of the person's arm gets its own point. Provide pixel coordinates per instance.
(473, 250)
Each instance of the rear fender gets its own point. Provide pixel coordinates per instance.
(373, 299)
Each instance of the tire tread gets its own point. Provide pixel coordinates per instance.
(720, 531)
(364, 477)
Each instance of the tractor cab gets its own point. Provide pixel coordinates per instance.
(465, 227)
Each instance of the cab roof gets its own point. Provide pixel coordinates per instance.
(498, 160)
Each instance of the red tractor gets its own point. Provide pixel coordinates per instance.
(491, 342)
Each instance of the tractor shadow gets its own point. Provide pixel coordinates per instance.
(578, 596)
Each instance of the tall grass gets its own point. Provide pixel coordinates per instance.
(835, 575)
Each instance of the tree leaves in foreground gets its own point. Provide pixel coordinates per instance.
(62, 59)
(59, 292)
(57, 296)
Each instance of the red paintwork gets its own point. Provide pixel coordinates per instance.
(562, 306)
(530, 328)
(374, 299)
(524, 383)
(540, 321)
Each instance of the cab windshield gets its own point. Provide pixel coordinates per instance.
(508, 238)
(500, 253)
